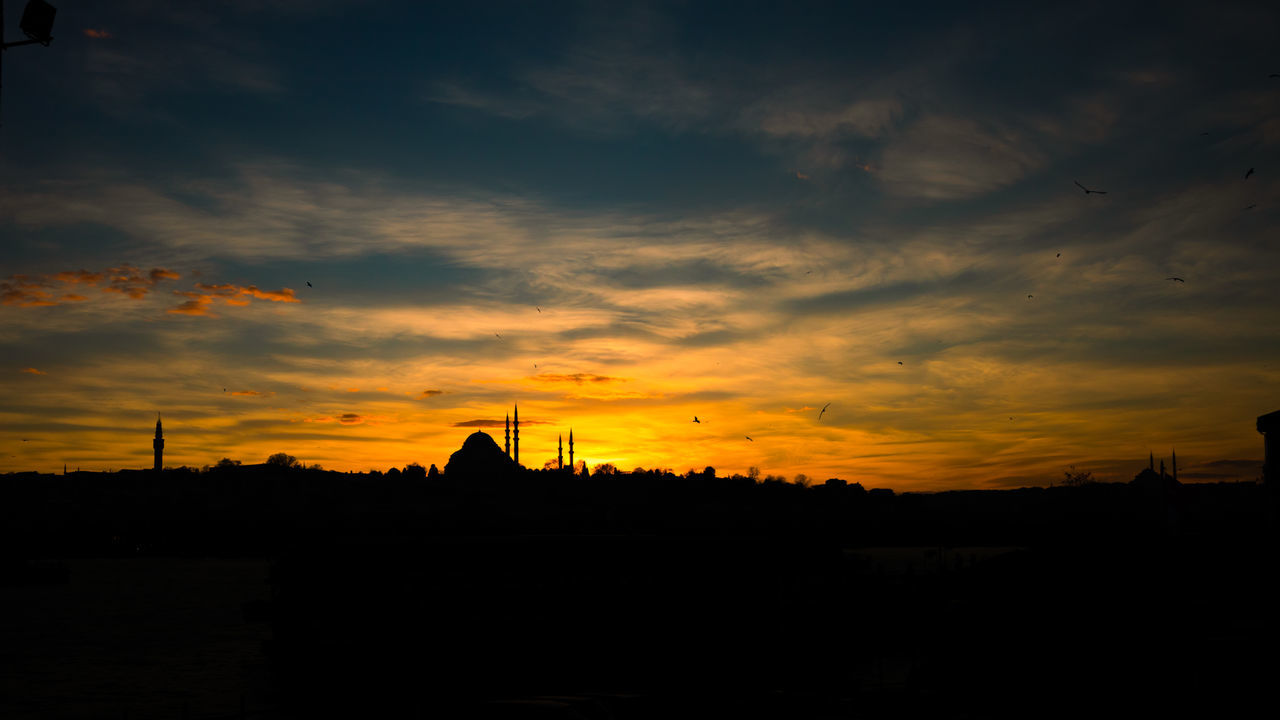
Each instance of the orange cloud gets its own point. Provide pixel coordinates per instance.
(202, 297)
(252, 393)
(197, 304)
(22, 292)
(95, 33)
(430, 393)
(27, 291)
(33, 371)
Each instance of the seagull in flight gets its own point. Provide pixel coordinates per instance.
(748, 437)
(1246, 175)
(695, 419)
(1059, 254)
(308, 283)
(899, 362)
(497, 336)
(1176, 279)
(824, 407)
(535, 307)
(1087, 190)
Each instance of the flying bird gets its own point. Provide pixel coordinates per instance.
(308, 283)
(824, 407)
(748, 437)
(1087, 190)
(1030, 296)
(535, 307)
(497, 336)
(899, 362)
(1059, 254)
(1176, 279)
(1246, 175)
(695, 419)
(1252, 206)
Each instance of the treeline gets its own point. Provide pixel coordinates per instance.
(233, 509)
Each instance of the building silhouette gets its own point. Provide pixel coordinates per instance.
(158, 445)
(1269, 426)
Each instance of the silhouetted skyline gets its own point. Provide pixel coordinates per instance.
(925, 220)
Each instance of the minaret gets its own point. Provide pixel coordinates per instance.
(516, 457)
(1151, 462)
(560, 452)
(158, 445)
(571, 448)
(508, 434)
(1175, 467)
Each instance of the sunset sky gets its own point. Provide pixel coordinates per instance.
(622, 216)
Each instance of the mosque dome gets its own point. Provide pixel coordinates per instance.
(479, 456)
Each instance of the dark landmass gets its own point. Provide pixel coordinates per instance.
(552, 594)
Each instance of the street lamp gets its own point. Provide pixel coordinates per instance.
(36, 24)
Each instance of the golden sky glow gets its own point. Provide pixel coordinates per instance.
(620, 238)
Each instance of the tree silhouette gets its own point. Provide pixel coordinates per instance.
(284, 461)
(1076, 479)
(414, 471)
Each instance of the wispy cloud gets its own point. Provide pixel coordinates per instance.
(577, 378)
(33, 371)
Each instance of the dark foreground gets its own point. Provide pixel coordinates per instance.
(641, 601)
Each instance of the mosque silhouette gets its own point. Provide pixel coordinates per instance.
(480, 455)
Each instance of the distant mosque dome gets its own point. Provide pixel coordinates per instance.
(479, 456)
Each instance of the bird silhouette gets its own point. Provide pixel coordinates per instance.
(1176, 279)
(308, 283)
(1059, 255)
(1250, 207)
(695, 419)
(748, 437)
(535, 307)
(824, 409)
(1087, 190)
(899, 362)
(1030, 296)
(497, 336)
(1246, 175)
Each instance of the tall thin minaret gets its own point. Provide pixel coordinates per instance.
(1151, 462)
(571, 448)
(560, 452)
(158, 445)
(516, 423)
(508, 434)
